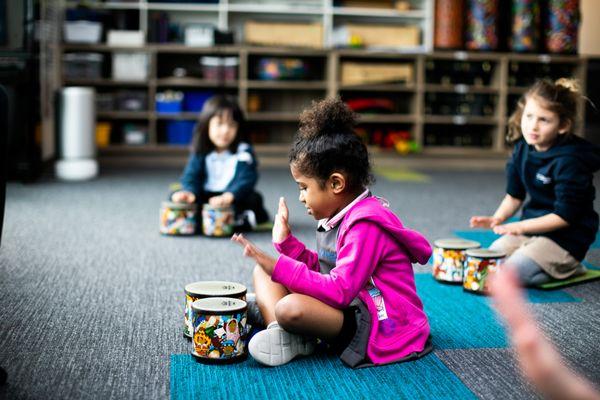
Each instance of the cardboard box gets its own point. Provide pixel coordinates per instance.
(284, 34)
(386, 36)
(357, 73)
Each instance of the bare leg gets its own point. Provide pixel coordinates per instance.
(268, 293)
(306, 315)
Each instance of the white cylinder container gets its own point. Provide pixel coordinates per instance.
(77, 130)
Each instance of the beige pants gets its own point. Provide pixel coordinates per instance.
(553, 259)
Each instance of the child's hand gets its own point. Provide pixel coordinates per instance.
(250, 250)
(514, 228)
(539, 360)
(183, 196)
(281, 227)
(223, 200)
(479, 221)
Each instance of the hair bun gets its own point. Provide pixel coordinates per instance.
(327, 117)
(568, 83)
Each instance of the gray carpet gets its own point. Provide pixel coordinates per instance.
(92, 295)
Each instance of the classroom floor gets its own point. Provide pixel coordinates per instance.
(92, 296)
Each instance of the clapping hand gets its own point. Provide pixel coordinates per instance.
(251, 250)
(183, 196)
(479, 221)
(281, 227)
(224, 200)
(514, 228)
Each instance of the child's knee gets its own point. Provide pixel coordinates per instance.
(527, 270)
(259, 274)
(289, 311)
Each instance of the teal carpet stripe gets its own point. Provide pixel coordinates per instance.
(589, 265)
(314, 377)
(485, 237)
(462, 320)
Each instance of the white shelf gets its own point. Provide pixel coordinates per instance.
(378, 13)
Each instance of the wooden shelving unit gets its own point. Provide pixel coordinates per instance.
(482, 87)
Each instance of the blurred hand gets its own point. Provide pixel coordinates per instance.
(514, 228)
(250, 250)
(539, 360)
(224, 200)
(183, 196)
(480, 221)
(281, 227)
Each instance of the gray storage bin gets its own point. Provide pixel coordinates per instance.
(83, 65)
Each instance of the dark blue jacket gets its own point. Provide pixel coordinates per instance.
(559, 181)
(244, 179)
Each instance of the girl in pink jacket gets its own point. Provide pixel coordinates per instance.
(357, 291)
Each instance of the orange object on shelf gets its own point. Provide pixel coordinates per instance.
(103, 134)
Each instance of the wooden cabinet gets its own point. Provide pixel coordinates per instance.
(448, 102)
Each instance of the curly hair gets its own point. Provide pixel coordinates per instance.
(561, 97)
(326, 143)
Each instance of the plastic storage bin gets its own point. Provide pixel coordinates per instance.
(130, 66)
(169, 102)
(219, 68)
(83, 65)
(82, 31)
(193, 101)
(180, 132)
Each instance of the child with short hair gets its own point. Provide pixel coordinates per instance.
(556, 169)
(222, 169)
(357, 291)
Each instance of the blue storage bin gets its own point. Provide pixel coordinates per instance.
(180, 132)
(169, 102)
(193, 101)
(169, 106)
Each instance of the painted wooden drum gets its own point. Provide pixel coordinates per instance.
(217, 221)
(219, 325)
(449, 257)
(205, 289)
(480, 265)
(448, 32)
(177, 218)
(526, 19)
(562, 26)
(482, 25)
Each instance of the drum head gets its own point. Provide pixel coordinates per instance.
(179, 206)
(485, 253)
(218, 305)
(456, 244)
(215, 289)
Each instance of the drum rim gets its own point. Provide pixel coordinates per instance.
(231, 295)
(497, 253)
(243, 307)
(473, 244)
(180, 206)
(209, 360)
(208, 207)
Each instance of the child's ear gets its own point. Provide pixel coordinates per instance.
(337, 182)
(564, 128)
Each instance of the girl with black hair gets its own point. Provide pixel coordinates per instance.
(222, 169)
(357, 291)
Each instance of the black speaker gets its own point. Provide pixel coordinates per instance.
(3, 134)
(3, 23)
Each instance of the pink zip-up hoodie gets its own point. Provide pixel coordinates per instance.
(372, 248)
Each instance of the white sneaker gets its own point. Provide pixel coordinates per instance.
(275, 346)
